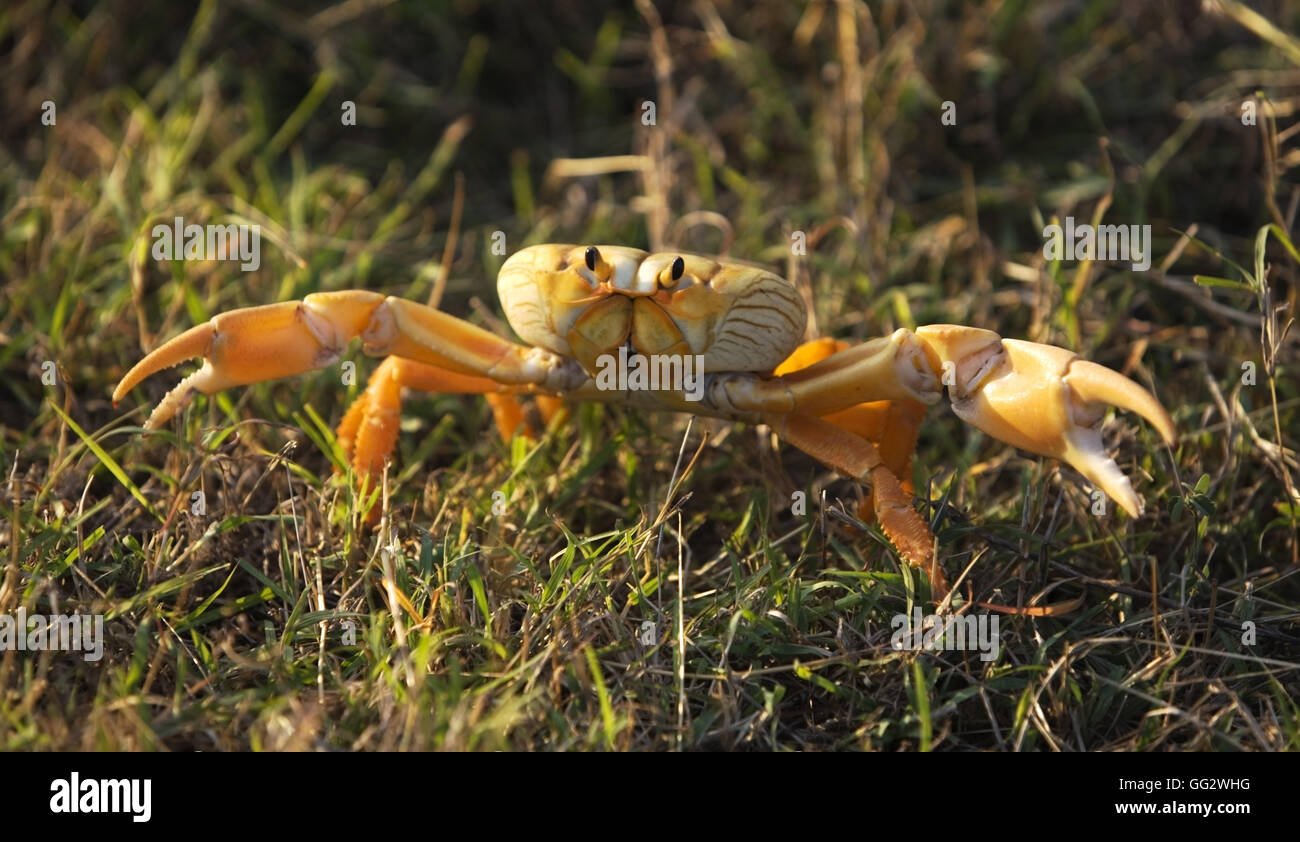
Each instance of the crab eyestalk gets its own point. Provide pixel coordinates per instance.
(1042, 399)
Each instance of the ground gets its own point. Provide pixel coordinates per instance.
(634, 581)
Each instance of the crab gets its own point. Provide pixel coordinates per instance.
(855, 408)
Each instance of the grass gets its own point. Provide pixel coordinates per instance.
(629, 581)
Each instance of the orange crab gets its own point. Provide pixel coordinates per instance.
(855, 408)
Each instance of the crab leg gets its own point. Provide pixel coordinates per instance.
(856, 457)
(279, 340)
(1039, 398)
(1036, 397)
(892, 426)
(368, 431)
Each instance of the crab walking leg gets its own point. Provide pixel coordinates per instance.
(369, 429)
(892, 426)
(552, 408)
(279, 340)
(856, 457)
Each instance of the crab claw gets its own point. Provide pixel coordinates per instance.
(1042, 399)
(255, 344)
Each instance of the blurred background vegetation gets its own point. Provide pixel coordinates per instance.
(770, 118)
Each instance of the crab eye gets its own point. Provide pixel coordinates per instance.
(670, 276)
(593, 257)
